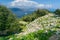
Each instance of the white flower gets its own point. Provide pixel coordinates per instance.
(46, 31)
(46, 15)
(52, 24)
(42, 29)
(48, 25)
(10, 38)
(36, 39)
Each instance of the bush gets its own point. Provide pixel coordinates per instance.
(41, 12)
(8, 22)
(57, 12)
(34, 15)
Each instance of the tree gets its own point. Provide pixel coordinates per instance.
(8, 22)
(57, 12)
(41, 12)
(34, 15)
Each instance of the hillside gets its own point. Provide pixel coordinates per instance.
(29, 20)
(49, 21)
(48, 25)
(40, 25)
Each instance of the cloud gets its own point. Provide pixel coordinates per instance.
(28, 4)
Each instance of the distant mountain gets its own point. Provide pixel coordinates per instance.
(20, 12)
(16, 9)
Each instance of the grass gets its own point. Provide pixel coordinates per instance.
(39, 35)
(3, 38)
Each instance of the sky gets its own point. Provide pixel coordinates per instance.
(31, 3)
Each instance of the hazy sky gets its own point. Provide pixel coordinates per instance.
(31, 3)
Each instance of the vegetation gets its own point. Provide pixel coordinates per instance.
(8, 22)
(57, 12)
(49, 21)
(50, 26)
(34, 15)
(40, 25)
(39, 35)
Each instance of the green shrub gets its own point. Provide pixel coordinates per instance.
(57, 12)
(34, 15)
(41, 12)
(3, 38)
(8, 22)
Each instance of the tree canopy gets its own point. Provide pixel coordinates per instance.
(57, 12)
(8, 21)
(34, 15)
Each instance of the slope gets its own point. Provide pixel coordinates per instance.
(43, 28)
(49, 21)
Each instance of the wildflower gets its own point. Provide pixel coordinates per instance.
(52, 24)
(10, 38)
(46, 31)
